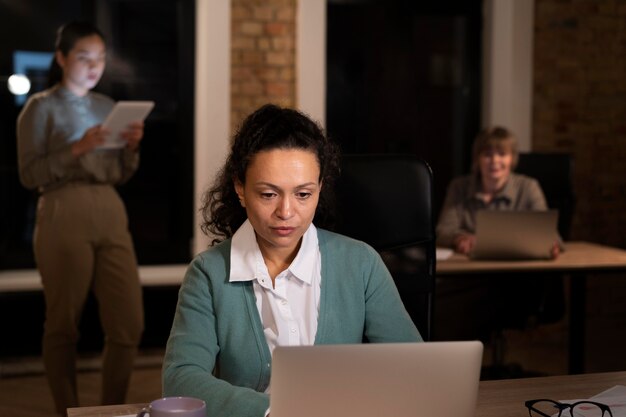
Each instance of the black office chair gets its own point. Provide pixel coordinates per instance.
(554, 173)
(533, 299)
(386, 201)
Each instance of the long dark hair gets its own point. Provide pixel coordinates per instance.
(67, 36)
(269, 127)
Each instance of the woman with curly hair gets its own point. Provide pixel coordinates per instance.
(273, 278)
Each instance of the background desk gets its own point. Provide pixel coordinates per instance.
(578, 259)
(499, 398)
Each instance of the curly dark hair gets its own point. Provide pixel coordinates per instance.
(269, 127)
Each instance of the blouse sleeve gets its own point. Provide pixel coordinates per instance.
(37, 165)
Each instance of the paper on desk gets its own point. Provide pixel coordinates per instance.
(443, 253)
(614, 397)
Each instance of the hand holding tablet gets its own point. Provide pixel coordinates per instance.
(118, 120)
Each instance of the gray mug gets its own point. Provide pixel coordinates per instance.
(175, 407)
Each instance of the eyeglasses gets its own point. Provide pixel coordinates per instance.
(548, 408)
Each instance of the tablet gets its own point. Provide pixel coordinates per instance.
(123, 113)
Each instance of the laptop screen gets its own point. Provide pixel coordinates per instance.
(511, 235)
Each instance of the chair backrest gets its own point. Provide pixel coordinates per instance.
(386, 201)
(554, 173)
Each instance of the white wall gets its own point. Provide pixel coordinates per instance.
(311, 59)
(212, 101)
(508, 66)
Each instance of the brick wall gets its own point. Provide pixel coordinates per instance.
(580, 106)
(262, 55)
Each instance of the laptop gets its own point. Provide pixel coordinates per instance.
(515, 235)
(433, 379)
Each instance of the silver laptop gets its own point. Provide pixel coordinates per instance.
(513, 235)
(434, 379)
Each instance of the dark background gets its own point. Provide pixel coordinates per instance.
(150, 56)
(404, 77)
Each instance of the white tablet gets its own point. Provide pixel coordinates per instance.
(123, 113)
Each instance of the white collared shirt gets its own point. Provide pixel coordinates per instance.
(288, 312)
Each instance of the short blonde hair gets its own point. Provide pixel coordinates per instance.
(495, 137)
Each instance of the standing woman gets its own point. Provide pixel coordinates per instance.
(81, 239)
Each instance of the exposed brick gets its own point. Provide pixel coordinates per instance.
(279, 59)
(283, 43)
(287, 74)
(243, 42)
(251, 28)
(251, 88)
(268, 74)
(240, 12)
(279, 89)
(287, 14)
(580, 106)
(264, 43)
(263, 13)
(251, 57)
(277, 28)
(262, 55)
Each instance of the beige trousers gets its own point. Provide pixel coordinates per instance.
(82, 244)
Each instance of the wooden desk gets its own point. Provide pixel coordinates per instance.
(504, 398)
(578, 256)
(105, 410)
(578, 259)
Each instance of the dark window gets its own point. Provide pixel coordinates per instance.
(404, 77)
(151, 57)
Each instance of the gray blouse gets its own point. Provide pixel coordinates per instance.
(48, 125)
(458, 215)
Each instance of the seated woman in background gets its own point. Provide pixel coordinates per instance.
(491, 186)
(274, 279)
(484, 303)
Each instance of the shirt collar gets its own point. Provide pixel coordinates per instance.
(244, 253)
(506, 193)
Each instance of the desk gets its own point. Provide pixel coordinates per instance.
(495, 398)
(105, 410)
(578, 259)
(506, 397)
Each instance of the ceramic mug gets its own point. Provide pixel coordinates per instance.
(175, 407)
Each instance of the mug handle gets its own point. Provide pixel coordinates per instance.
(144, 411)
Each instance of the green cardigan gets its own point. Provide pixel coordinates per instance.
(217, 349)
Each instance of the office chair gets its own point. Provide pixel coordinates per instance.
(386, 201)
(554, 173)
(535, 299)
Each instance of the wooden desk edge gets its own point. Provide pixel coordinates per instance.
(105, 410)
(495, 398)
(603, 259)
